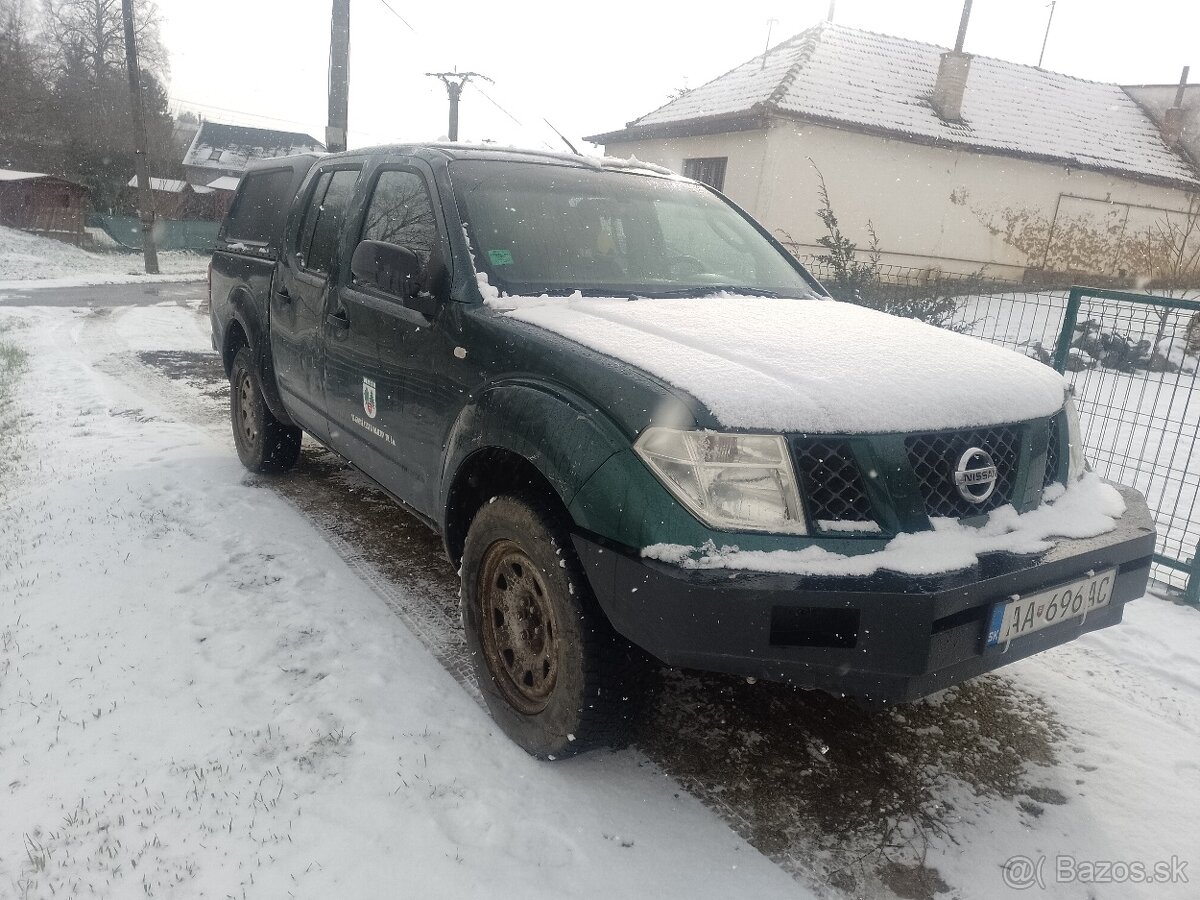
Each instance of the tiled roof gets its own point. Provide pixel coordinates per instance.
(218, 146)
(881, 83)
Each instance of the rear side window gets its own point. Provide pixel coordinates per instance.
(323, 219)
(257, 213)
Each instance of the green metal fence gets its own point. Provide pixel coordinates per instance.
(1132, 359)
(169, 234)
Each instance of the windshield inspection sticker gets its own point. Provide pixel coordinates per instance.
(369, 397)
(500, 257)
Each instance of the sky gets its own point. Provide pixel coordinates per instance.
(592, 67)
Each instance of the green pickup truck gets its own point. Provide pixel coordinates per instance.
(644, 431)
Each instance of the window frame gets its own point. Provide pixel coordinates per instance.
(721, 164)
(298, 251)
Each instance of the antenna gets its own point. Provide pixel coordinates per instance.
(1042, 55)
(767, 49)
(561, 135)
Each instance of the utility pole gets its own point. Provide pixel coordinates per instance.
(1042, 55)
(455, 82)
(339, 77)
(141, 163)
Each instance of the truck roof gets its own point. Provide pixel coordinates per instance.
(448, 151)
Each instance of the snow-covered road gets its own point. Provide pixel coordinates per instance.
(213, 684)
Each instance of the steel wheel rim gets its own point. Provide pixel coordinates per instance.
(245, 407)
(518, 630)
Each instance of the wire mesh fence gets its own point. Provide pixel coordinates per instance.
(1133, 360)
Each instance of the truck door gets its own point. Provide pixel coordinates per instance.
(299, 298)
(381, 414)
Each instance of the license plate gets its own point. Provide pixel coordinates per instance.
(1025, 615)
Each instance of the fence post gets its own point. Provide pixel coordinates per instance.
(1068, 330)
(1191, 593)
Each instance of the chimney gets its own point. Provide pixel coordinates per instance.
(950, 85)
(952, 73)
(1172, 124)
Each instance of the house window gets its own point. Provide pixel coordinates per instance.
(709, 169)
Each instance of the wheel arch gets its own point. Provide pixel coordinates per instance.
(523, 437)
(246, 328)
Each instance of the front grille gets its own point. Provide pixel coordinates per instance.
(1052, 455)
(832, 483)
(933, 458)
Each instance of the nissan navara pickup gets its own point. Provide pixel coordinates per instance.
(645, 432)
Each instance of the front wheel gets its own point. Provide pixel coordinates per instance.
(264, 444)
(557, 679)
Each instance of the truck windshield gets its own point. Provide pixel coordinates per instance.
(536, 228)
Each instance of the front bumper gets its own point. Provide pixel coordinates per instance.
(886, 638)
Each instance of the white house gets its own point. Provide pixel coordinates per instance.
(961, 163)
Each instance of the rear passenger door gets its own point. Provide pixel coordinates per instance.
(377, 406)
(301, 294)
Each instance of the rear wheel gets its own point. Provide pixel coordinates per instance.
(557, 679)
(264, 444)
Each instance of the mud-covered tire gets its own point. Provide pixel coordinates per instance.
(264, 444)
(557, 679)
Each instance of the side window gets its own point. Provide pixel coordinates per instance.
(323, 219)
(401, 212)
(258, 210)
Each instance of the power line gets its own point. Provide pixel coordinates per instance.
(397, 15)
(492, 101)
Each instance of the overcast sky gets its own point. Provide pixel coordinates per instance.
(590, 67)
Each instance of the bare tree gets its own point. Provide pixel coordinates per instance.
(90, 33)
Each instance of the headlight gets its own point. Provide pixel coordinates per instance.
(740, 482)
(1078, 462)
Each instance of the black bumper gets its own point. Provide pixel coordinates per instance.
(886, 638)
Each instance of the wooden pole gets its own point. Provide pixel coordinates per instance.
(141, 162)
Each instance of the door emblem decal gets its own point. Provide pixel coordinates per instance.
(369, 397)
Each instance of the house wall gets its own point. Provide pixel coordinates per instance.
(930, 206)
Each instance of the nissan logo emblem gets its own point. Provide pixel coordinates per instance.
(975, 475)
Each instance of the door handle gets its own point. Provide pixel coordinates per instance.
(338, 320)
(283, 294)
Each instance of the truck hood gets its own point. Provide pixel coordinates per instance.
(790, 365)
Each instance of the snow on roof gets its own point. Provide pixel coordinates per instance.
(218, 146)
(167, 185)
(225, 183)
(883, 83)
(15, 175)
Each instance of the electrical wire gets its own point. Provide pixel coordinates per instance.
(397, 15)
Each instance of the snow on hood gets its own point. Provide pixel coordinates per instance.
(805, 365)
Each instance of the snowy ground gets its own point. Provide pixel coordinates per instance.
(26, 258)
(217, 685)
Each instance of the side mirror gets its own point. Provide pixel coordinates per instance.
(388, 267)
